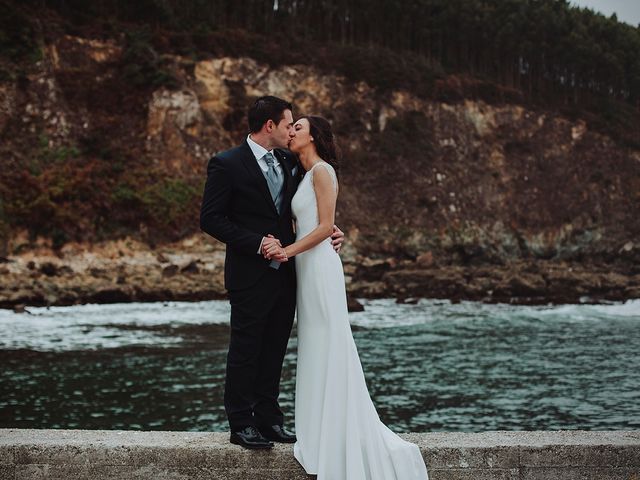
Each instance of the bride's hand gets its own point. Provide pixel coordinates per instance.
(280, 255)
(275, 252)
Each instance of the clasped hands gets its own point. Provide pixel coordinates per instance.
(272, 249)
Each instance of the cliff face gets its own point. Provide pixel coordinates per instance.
(461, 183)
(468, 181)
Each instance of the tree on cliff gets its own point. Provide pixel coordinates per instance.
(547, 48)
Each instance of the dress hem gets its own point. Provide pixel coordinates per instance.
(302, 465)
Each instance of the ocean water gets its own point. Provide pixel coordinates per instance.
(432, 366)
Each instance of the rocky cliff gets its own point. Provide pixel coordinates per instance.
(464, 199)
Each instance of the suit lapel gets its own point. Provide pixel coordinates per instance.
(255, 171)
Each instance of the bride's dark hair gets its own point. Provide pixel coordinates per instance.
(323, 139)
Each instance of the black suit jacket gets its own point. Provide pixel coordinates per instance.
(238, 210)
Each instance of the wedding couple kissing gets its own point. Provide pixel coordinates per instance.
(272, 201)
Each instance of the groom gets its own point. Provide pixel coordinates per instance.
(247, 205)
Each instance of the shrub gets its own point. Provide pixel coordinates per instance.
(142, 65)
(169, 201)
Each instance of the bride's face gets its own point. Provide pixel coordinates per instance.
(300, 136)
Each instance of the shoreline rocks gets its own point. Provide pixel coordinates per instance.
(192, 270)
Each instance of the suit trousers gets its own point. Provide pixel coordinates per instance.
(261, 321)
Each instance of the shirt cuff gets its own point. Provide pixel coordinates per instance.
(260, 248)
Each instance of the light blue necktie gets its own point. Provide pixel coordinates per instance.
(274, 182)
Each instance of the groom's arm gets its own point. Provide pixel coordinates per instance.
(214, 212)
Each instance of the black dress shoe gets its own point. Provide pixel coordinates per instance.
(277, 433)
(250, 437)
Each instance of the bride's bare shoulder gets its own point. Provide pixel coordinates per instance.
(326, 175)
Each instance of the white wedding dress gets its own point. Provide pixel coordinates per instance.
(339, 433)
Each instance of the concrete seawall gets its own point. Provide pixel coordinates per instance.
(113, 454)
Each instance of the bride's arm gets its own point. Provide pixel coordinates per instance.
(326, 199)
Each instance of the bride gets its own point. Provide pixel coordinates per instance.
(339, 433)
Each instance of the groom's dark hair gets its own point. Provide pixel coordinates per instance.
(265, 109)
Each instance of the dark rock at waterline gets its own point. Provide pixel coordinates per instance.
(20, 308)
(110, 295)
(354, 305)
(521, 282)
(23, 297)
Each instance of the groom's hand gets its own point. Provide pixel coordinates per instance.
(337, 238)
(267, 244)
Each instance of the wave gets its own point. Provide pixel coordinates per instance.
(170, 324)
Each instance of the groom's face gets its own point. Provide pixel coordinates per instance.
(280, 132)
